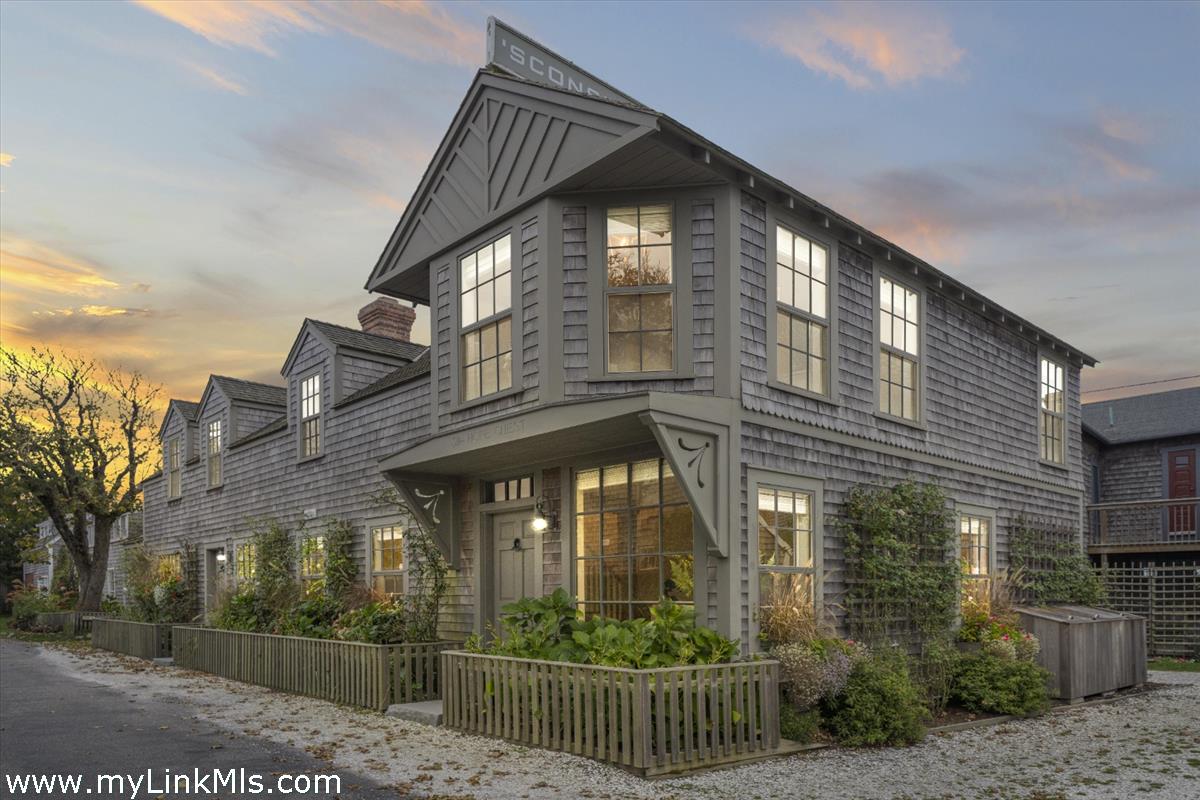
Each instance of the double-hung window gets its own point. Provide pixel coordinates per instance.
(639, 292)
(1052, 411)
(485, 319)
(213, 452)
(802, 312)
(975, 545)
(387, 560)
(312, 563)
(310, 416)
(245, 561)
(899, 350)
(174, 468)
(787, 547)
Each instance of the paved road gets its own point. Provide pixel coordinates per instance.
(51, 722)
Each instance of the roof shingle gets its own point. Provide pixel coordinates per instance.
(237, 389)
(400, 376)
(1143, 417)
(368, 342)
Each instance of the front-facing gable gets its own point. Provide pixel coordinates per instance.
(510, 142)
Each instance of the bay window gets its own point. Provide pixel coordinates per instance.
(639, 294)
(486, 320)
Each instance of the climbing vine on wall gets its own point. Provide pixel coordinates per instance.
(427, 573)
(1050, 566)
(901, 574)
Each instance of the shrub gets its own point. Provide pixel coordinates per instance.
(29, 601)
(241, 610)
(340, 566)
(986, 683)
(549, 628)
(380, 622)
(799, 726)
(817, 670)
(1053, 566)
(786, 614)
(934, 672)
(313, 617)
(158, 592)
(879, 706)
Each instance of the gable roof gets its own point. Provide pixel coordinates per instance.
(1162, 415)
(340, 337)
(401, 376)
(274, 426)
(184, 408)
(239, 390)
(396, 272)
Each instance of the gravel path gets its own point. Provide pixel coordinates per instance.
(1146, 746)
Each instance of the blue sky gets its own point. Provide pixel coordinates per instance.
(183, 183)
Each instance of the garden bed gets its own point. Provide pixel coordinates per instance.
(352, 673)
(649, 721)
(147, 640)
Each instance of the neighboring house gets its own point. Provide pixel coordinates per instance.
(126, 530)
(1141, 454)
(655, 371)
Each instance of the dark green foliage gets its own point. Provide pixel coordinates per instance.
(902, 579)
(65, 580)
(377, 623)
(934, 671)
(27, 602)
(549, 629)
(799, 726)
(985, 683)
(340, 567)
(427, 584)
(242, 611)
(879, 706)
(313, 617)
(1052, 566)
(275, 566)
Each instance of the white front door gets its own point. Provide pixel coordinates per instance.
(517, 555)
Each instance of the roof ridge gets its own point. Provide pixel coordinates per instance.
(1138, 396)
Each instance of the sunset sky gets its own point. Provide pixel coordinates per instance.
(182, 183)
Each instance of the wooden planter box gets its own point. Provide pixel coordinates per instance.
(75, 623)
(142, 639)
(651, 722)
(352, 673)
(1087, 650)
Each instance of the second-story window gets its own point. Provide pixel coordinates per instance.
(310, 416)
(639, 292)
(802, 316)
(1052, 413)
(213, 451)
(174, 468)
(485, 303)
(899, 340)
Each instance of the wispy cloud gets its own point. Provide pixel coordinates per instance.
(416, 29)
(216, 79)
(865, 43)
(6, 159)
(1115, 141)
(37, 267)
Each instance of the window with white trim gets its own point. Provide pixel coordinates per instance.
(1053, 412)
(634, 546)
(387, 560)
(975, 545)
(899, 356)
(312, 563)
(174, 468)
(310, 416)
(802, 312)
(639, 293)
(787, 545)
(213, 452)
(485, 319)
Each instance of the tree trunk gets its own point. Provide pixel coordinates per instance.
(91, 588)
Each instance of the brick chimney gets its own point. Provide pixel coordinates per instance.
(384, 316)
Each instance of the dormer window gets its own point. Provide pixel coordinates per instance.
(639, 294)
(213, 452)
(485, 304)
(310, 416)
(174, 469)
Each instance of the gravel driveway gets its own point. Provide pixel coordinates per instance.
(1145, 746)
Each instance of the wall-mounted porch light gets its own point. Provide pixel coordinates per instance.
(541, 520)
(220, 556)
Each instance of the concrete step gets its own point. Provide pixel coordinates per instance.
(428, 712)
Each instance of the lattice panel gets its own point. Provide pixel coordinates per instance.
(1168, 595)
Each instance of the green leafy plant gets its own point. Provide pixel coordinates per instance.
(340, 567)
(159, 592)
(799, 726)
(901, 580)
(934, 670)
(29, 601)
(313, 617)
(816, 670)
(987, 683)
(1052, 565)
(879, 706)
(380, 622)
(241, 610)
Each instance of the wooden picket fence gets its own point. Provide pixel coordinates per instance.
(142, 639)
(651, 722)
(352, 673)
(76, 623)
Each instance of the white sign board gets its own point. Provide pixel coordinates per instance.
(519, 55)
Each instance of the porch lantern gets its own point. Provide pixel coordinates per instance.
(540, 520)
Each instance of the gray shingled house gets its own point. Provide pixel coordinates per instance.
(1141, 455)
(655, 370)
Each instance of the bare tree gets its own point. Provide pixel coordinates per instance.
(77, 437)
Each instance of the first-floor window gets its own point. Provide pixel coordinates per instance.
(312, 563)
(975, 545)
(786, 546)
(170, 566)
(387, 560)
(245, 561)
(633, 532)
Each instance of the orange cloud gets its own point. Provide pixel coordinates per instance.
(34, 266)
(6, 159)
(862, 43)
(416, 29)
